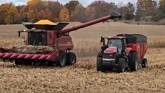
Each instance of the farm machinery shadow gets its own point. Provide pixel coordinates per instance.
(25, 66)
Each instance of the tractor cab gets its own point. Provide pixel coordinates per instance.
(113, 45)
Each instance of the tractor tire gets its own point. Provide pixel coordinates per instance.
(133, 62)
(122, 65)
(144, 63)
(71, 58)
(62, 60)
(100, 64)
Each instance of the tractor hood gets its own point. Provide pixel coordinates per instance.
(111, 50)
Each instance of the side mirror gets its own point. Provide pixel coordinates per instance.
(102, 39)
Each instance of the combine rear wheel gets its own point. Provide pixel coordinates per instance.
(62, 60)
(71, 58)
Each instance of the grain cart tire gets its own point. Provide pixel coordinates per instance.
(144, 63)
(133, 62)
(100, 64)
(71, 58)
(62, 60)
(121, 65)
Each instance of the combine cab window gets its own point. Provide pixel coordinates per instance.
(37, 38)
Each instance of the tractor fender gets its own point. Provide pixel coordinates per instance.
(128, 50)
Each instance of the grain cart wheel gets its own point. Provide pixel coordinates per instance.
(144, 63)
(71, 58)
(133, 62)
(100, 64)
(62, 60)
(122, 65)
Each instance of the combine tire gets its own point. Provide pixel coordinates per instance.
(144, 63)
(62, 60)
(133, 62)
(100, 64)
(71, 60)
(121, 65)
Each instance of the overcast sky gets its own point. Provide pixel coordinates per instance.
(84, 2)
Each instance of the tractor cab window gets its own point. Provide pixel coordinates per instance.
(116, 43)
(37, 38)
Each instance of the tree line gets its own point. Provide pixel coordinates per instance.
(35, 10)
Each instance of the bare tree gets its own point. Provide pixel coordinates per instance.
(99, 9)
(128, 11)
(145, 8)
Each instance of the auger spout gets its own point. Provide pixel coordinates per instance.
(89, 23)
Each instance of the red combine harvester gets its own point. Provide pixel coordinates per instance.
(123, 52)
(47, 44)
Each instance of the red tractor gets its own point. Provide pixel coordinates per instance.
(122, 52)
(47, 44)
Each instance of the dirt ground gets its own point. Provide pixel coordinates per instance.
(83, 77)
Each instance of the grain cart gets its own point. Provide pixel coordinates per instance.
(123, 51)
(46, 44)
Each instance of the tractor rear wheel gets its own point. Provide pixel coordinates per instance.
(122, 65)
(144, 63)
(133, 62)
(71, 58)
(62, 60)
(100, 64)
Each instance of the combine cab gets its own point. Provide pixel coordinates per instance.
(123, 52)
(46, 43)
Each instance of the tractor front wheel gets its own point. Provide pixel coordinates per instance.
(100, 64)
